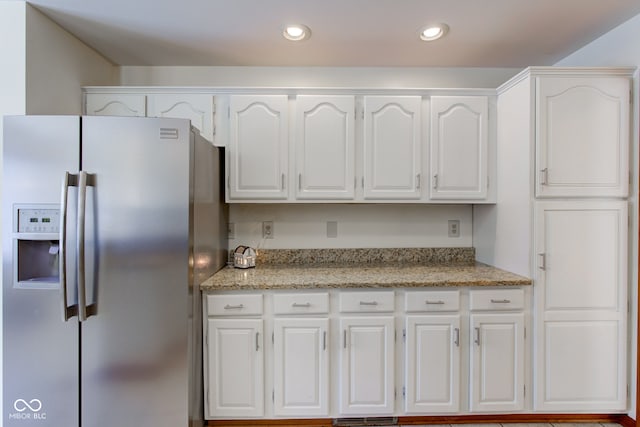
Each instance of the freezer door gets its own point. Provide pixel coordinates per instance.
(135, 363)
(40, 351)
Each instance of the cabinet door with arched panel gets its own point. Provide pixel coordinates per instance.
(459, 147)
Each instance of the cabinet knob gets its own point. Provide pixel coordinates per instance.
(435, 181)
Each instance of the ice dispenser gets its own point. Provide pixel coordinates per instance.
(36, 247)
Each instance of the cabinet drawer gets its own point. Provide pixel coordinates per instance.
(421, 301)
(234, 305)
(507, 299)
(301, 303)
(367, 302)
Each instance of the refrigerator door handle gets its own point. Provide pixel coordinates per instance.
(69, 180)
(84, 180)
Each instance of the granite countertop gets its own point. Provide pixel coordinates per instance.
(438, 268)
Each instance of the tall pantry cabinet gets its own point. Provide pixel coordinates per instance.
(561, 218)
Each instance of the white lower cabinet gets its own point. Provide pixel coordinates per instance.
(363, 353)
(497, 362)
(301, 367)
(581, 314)
(234, 356)
(235, 368)
(432, 352)
(367, 366)
(432, 371)
(497, 325)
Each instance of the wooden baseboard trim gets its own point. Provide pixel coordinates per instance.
(623, 420)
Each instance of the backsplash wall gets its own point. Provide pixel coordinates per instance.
(354, 225)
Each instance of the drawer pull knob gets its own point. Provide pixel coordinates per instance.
(369, 303)
(304, 305)
(439, 302)
(501, 301)
(233, 307)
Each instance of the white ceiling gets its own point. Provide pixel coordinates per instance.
(376, 33)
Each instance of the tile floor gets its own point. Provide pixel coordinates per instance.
(521, 425)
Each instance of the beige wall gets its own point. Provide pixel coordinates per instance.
(348, 77)
(58, 65)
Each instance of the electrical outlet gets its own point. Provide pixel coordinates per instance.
(267, 229)
(332, 229)
(231, 230)
(453, 228)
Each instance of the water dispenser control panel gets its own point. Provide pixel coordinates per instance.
(36, 247)
(38, 220)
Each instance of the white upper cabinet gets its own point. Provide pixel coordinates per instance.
(392, 147)
(582, 136)
(258, 147)
(459, 147)
(115, 104)
(325, 147)
(196, 107)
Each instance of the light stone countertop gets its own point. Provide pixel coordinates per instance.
(300, 276)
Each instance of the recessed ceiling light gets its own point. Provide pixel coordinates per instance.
(433, 32)
(296, 32)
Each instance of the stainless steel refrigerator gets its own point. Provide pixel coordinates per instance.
(109, 225)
